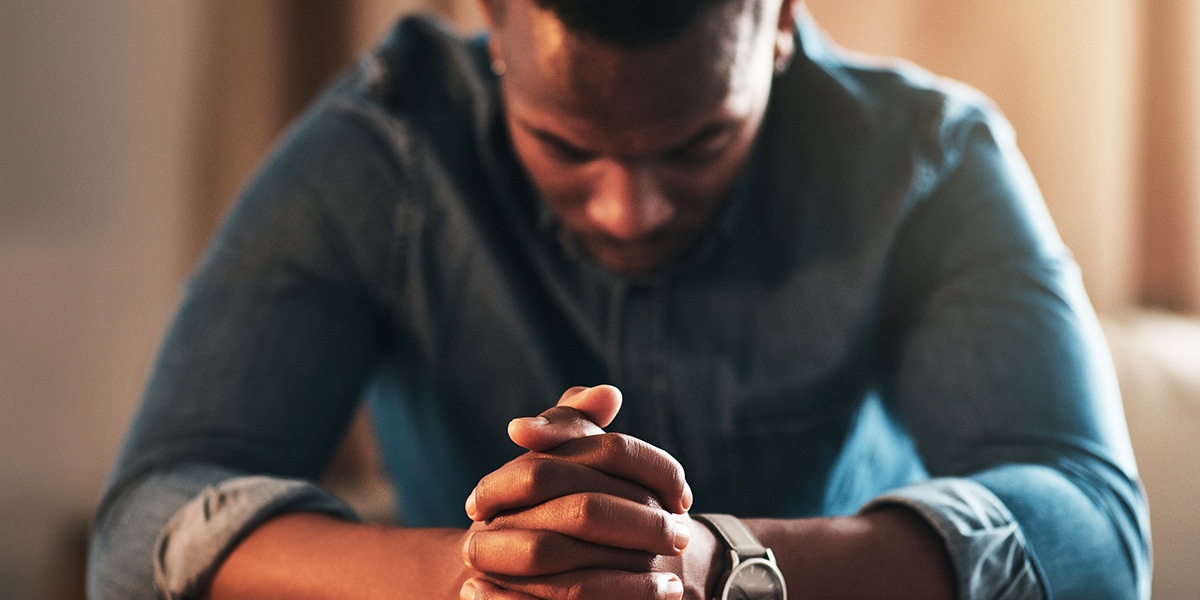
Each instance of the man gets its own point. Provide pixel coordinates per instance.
(827, 293)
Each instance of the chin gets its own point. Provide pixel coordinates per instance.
(635, 265)
(633, 258)
(632, 270)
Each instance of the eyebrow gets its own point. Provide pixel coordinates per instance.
(708, 132)
(554, 140)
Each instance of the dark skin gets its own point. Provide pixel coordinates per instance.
(543, 552)
(634, 151)
(577, 511)
(586, 515)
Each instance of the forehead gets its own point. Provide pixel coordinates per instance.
(582, 84)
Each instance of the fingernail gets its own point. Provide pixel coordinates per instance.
(682, 533)
(469, 591)
(471, 505)
(466, 550)
(673, 588)
(688, 497)
(533, 422)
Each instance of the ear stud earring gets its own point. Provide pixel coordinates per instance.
(498, 67)
(785, 50)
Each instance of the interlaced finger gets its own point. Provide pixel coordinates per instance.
(519, 552)
(635, 460)
(606, 520)
(533, 479)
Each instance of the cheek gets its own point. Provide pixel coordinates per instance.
(561, 186)
(699, 191)
(688, 189)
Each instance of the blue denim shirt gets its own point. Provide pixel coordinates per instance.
(882, 312)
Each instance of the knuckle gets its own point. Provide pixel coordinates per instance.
(677, 476)
(540, 475)
(580, 508)
(666, 524)
(547, 552)
(528, 477)
(587, 508)
(616, 445)
(670, 472)
(529, 555)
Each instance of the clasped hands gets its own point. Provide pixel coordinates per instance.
(584, 514)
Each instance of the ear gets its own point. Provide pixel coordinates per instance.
(493, 17)
(491, 11)
(785, 34)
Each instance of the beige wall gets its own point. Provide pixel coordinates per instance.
(95, 133)
(1172, 161)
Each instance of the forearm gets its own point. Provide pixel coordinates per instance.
(886, 553)
(311, 556)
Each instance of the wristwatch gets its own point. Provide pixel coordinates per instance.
(753, 574)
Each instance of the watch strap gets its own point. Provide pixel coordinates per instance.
(735, 534)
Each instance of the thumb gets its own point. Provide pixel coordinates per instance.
(580, 412)
(599, 404)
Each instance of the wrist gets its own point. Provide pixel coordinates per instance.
(752, 571)
(703, 562)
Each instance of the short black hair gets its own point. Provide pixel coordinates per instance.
(629, 23)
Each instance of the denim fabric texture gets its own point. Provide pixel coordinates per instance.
(981, 534)
(214, 521)
(881, 312)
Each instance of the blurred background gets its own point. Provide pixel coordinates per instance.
(127, 126)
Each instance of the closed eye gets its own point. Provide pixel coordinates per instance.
(705, 146)
(561, 149)
(567, 152)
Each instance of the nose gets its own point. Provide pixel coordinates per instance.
(628, 202)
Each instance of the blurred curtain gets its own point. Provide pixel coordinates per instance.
(265, 61)
(1170, 260)
(1104, 95)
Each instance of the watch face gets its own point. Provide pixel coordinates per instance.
(755, 579)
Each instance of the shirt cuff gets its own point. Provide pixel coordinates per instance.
(987, 548)
(201, 534)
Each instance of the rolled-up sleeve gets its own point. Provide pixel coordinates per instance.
(202, 533)
(219, 508)
(984, 540)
